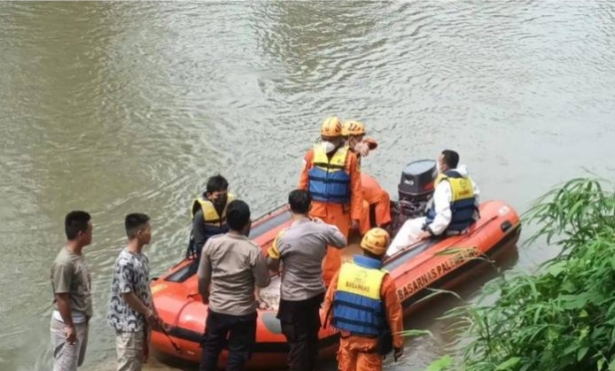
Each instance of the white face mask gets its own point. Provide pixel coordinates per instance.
(328, 146)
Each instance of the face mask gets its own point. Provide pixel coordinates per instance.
(438, 166)
(220, 201)
(328, 146)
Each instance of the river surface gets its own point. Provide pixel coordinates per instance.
(120, 107)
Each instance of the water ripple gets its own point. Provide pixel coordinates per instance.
(122, 107)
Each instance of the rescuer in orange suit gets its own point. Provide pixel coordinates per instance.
(373, 194)
(362, 303)
(331, 174)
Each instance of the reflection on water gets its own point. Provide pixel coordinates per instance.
(117, 107)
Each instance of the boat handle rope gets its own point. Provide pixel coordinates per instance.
(175, 346)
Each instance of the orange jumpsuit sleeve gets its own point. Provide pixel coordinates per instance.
(307, 164)
(395, 314)
(356, 194)
(328, 304)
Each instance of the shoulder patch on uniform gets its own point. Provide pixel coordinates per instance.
(274, 249)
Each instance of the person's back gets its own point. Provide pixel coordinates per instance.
(232, 257)
(233, 266)
(301, 249)
(362, 303)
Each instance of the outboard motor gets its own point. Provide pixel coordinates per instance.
(415, 190)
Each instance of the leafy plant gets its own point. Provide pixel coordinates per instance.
(562, 318)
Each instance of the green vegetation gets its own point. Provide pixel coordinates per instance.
(563, 317)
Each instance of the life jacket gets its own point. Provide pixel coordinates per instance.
(357, 305)
(214, 223)
(328, 180)
(462, 201)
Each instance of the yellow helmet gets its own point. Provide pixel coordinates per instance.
(376, 241)
(353, 128)
(331, 127)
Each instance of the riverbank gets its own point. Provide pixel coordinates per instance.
(561, 318)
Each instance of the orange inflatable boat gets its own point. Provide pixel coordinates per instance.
(415, 269)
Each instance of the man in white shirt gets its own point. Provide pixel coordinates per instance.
(453, 210)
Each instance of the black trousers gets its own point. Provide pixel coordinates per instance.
(237, 333)
(300, 322)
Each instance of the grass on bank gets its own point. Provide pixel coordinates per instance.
(561, 318)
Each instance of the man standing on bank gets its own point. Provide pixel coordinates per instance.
(71, 283)
(240, 267)
(301, 248)
(131, 309)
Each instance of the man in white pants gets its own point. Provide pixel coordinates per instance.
(453, 210)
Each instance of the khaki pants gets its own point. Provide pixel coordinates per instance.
(129, 347)
(67, 357)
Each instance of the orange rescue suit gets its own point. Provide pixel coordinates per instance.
(373, 194)
(358, 353)
(336, 214)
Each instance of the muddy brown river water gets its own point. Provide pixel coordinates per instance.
(116, 107)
